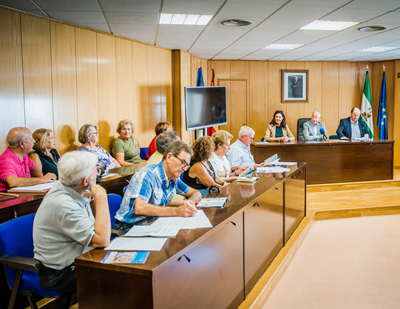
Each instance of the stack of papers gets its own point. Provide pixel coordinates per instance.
(41, 188)
(361, 139)
(272, 169)
(198, 221)
(248, 179)
(282, 163)
(151, 230)
(212, 202)
(136, 244)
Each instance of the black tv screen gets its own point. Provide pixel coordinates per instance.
(205, 107)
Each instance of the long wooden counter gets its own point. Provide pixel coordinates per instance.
(205, 268)
(333, 161)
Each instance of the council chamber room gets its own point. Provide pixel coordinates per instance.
(199, 154)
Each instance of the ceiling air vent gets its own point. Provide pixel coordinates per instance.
(372, 28)
(236, 22)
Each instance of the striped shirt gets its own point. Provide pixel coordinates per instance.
(151, 185)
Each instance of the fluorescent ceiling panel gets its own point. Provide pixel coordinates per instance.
(165, 19)
(377, 49)
(329, 25)
(191, 19)
(203, 20)
(282, 46)
(184, 19)
(178, 19)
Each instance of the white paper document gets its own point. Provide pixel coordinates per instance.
(272, 169)
(212, 202)
(198, 221)
(136, 244)
(283, 163)
(40, 187)
(150, 230)
(361, 139)
(106, 175)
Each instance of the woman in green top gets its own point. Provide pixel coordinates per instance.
(126, 149)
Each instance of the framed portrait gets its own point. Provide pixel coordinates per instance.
(294, 86)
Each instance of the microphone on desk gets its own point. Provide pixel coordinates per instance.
(323, 132)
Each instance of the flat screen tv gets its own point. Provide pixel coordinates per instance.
(205, 107)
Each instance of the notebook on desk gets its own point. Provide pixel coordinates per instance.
(41, 188)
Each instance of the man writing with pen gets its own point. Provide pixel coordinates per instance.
(152, 188)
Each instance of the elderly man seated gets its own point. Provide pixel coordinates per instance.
(162, 141)
(239, 156)
(73, 218)
(16, 168)
(151, 189)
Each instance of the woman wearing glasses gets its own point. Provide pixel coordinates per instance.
(126, 149)
(89, 137)
(201, 174)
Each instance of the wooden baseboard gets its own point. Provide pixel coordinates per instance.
(359, 212)
(264, 286)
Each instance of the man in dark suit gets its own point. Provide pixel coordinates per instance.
(352, 127)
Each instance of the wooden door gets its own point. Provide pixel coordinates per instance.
(236, 91)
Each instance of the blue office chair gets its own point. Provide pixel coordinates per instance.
(333, 137)
(114, 202)
(143, 152)
(16, 249)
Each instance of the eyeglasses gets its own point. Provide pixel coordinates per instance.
(94, 133)
(126, 129)
(184, 164)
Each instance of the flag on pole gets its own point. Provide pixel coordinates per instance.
(200, 80)
(212, 130)
(366, 108)
(382, 114)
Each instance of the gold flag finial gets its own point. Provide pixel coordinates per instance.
(367, 67)
(383, 68)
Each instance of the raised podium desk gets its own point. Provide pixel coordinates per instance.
(333, 161)
(204, 268)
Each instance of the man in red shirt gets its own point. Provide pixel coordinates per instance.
(16, 168)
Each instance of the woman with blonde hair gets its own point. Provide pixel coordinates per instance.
(126, 149)
(45, 155)
(201, 174)
(89, 137)
(222, 143)
(161, 127)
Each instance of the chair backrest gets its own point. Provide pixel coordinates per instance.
(114, 202)
(300, 123)
(143, 152)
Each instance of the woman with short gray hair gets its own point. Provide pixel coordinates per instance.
(89, 137)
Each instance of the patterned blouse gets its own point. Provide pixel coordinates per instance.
(104, 158)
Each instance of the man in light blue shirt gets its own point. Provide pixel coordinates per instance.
(239, 156)
(151, 189)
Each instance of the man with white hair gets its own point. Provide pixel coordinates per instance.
(239, 156)
(312, 128)
(73, 218)
(16, 168)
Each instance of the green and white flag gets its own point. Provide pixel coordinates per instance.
(366, 108)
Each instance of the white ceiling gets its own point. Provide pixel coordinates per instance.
(273, 21)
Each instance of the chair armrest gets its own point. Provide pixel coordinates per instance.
(21, 262)
(116, 233)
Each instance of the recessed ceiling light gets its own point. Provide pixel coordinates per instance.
(372, 28)
(283, 46)
(184, 19)
(329, 25)
(377, 49)
(236, 22)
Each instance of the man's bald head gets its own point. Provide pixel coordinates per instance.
(315, 117)
(16, 135)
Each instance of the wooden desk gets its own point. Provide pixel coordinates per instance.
(333, 161)
(225, 261)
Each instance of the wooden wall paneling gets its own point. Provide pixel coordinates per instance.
(108, 106)
(396, 112)
(227, 127)
(294, 111)
(361, 69)
(238, 105)
(274, 89)
(124, 73)
(139, 60)
(314, 90)
(86, 77)
(330, 95)
(36, 57)
(347, 89)
(257, 103)
(63, 65)
(239, 69)
(185, 80)
(166, 86)
(11, 85)
(390, 90)
(154, 116)
(222, 69)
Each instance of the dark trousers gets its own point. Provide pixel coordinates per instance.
(62, 281)
(122, 226)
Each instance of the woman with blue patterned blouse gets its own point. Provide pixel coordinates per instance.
(89, 137)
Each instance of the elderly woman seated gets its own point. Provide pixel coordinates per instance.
(89, 137)
(45, 155)
(201, 174)
(126, 149)
(162, 142)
